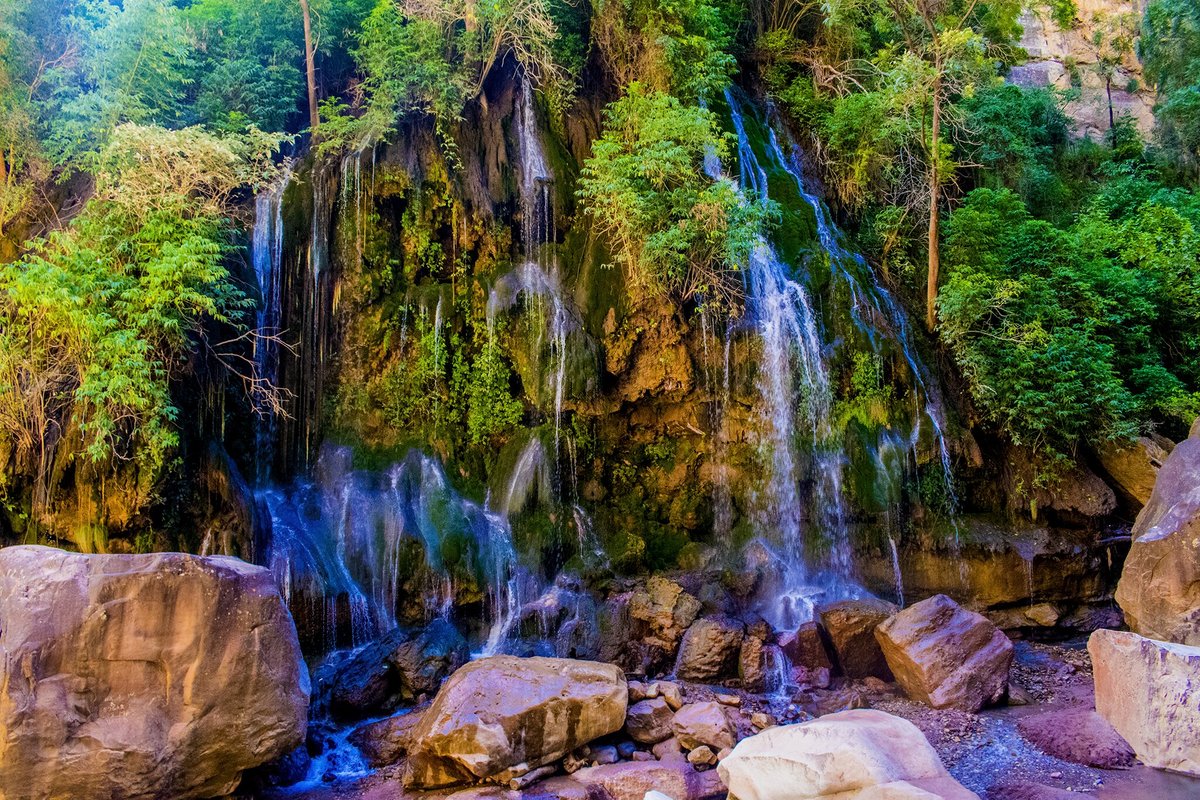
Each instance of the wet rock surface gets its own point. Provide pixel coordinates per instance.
(142, 676)
(946, 656)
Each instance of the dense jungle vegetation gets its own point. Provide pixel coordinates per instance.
(1060, 275)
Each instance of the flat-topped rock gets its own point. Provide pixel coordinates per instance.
(501, 717)
(1148, 691)
(851, 755)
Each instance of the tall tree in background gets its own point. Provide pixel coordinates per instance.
(310, 68)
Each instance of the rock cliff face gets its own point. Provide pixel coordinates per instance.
(142, 677)
(1159, 590)
(1094, 55)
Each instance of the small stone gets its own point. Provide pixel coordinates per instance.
(729, 700)
(668, 749)
(626, 750)
(642, 755)
(649, 721)
(762, 720)
(1056, 775)
(671, 692)
(637, 692)
(605, 754)
(702, 756)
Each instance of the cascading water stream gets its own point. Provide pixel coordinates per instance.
(266, 254)
(876, 312)
(794, 386)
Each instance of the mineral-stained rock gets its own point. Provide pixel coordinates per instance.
(946, 656)
(850, 625)
(1159, 590)
(640, 630)
(752, 664)
(710, 649)
(1080, 736)
(649, 721)
(142, 676)
(851, 755)
(501, 717)
(1147, 690)
(631, 781)
(704, 724)
(385, 741)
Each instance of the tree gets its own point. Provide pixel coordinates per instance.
(310, 69)
(1170, 48)
(101, 317)
(1113, 37)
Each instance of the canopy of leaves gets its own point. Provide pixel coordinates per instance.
(1076, 334)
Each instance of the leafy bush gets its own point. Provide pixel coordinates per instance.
(673, 227)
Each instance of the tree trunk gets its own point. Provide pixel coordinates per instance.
(314, 117)
(935, 190)
(1112, 120)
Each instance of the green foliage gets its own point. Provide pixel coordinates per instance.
(250, 56)
(492, 411)
(433, 57)
(673, 227)
(680, 48)
(135, 65)
(1075, 334)
(100, 317)
(1170, 49)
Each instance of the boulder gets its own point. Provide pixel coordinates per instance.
(402, 664)
(851, 755)
(1134, 465)
(1159, 589)
(1080, 736)
(704, 724)
(805, 647)
(501, 717)
(1147, 690)
(710, 649)
(850, 626)
(633, 780)
(640, 630)
(142, 676)
(945, 655)
(649, 721)
(385, 741)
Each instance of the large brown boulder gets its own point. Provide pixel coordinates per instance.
(710, 649)
(1159, 590)
(501, 717)
(384, 742)
(850, 626)
(1134, 465)
(946, 656)
(1147, 691)
(851, 755)
(142, 676)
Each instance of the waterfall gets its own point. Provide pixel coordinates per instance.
(793, 385)
(266, 254)
(876, 312)
(354, 546)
